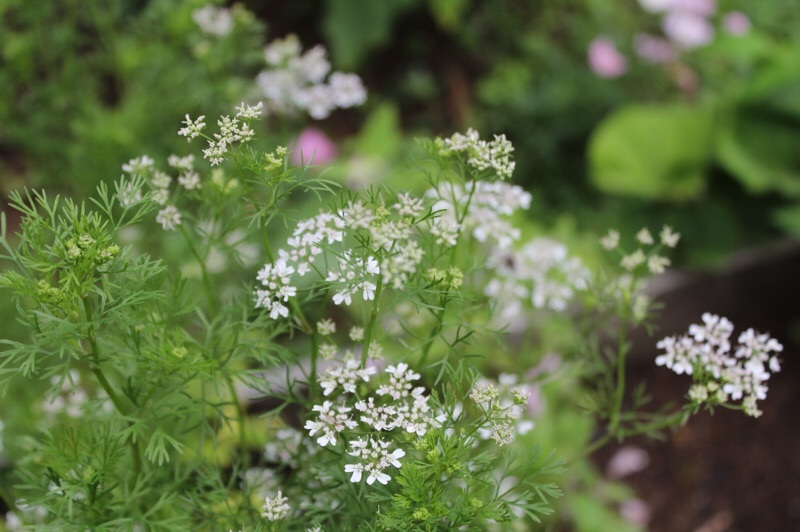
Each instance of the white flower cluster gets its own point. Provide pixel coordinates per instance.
(656, 263)
(275, 509)
(286, 447)
(541, 272)
(488, 206)
(159, 183)
(494, 155)
(375, 458)
(396, 405)
(296, 81)
(231, 131)
(391, 233)
(720, 372)
(214, 20)
(502, 403)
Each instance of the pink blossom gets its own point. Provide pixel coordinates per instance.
(313, 146)
(626, 461)
(687, 30)
(653, 49)
(635, 511)
(703, 8)
(605, 60)
(736, 23)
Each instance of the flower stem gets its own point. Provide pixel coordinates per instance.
(204, 272)
(94, 365)
(376, 303)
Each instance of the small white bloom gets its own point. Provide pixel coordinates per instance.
(214, 20)
(193, 127)
(644, 237)
(189, 180)
(668, 237)
(275, 509)
(611, 240)
(169, 217)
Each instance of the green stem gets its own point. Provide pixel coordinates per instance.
(622, 351)
(313, 385)
(94, 365)
(426, 347)
(662, 423)
(240, 417)
(209, 291)
(376, 303)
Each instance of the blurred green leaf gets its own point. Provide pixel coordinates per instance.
(381, 135)
(591, 515)
(448, 13)
(652, 151)
(354, 27)
(759, 142)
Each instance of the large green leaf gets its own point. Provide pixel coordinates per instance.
(759, 142)
(355, 27)
(652, 151)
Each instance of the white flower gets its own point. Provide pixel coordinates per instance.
(249, 112)
(346, 376)
(129, 195)
(275, 509)
(189, 180)
(376, 457)
(169, 218)
(193, 127)
(280, 51)
(140, 165)
(644, 237)
(331, 421)
(706, 353)
(632, 261)
(611, 240)
(657, 264)
(181, 163)
(326, 327)
(347, 90)
(668, 237)
(493, 155)
(214, 20)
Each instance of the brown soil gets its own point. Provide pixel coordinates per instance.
(726, 471)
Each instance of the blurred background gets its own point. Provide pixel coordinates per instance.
(623, 114)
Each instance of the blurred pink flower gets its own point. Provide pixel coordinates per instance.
(313, 146)
(736, 23)
(605, 60)
(635, 511)
(626, 461)
(687, 30)
(703, 8)
(653, 49)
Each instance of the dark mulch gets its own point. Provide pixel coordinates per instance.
(727, 471)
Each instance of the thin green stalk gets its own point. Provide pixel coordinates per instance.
(240, 417)
(620, 380)
(94, 365)
(313, 385)
(437, 329)
(209, 291)
(368, 334)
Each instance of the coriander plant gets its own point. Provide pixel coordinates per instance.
(276, 353)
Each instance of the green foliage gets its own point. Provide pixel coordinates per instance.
(653, 151)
